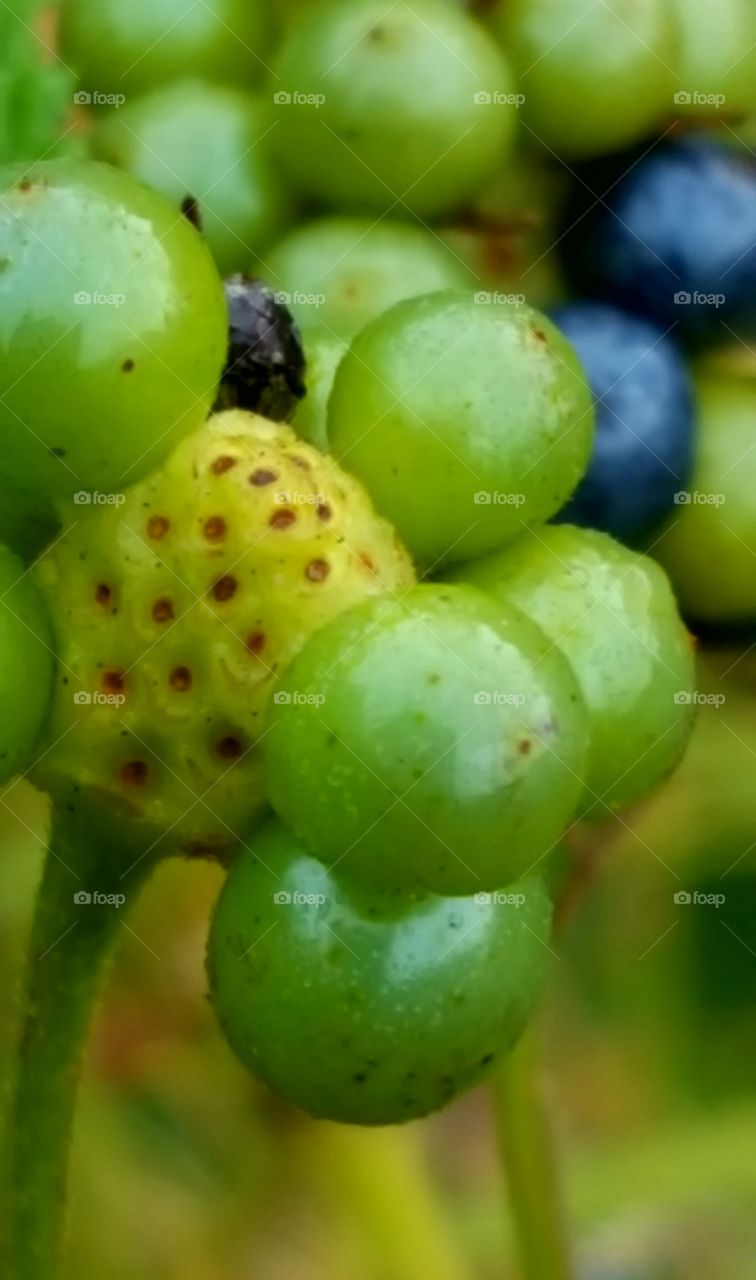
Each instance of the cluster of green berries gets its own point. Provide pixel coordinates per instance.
(247, 667)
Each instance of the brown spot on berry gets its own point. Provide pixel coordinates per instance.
(524, 746)
(229, 748)
(180, 679)
(25, 184)
(222, 463)
(162, 610)
(127, 366)
(539, 335)
(214, 528)
(324, 511)
(113, 681)
(224, 588)
(255, 641)
(368, 561)
(157, 527)
(134, 773)
(302, 463)
(283, 518)
(103, 593)
(262, 476)
(318, 570)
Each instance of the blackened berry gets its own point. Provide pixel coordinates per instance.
(265, 368)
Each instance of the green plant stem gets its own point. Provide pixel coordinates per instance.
(70, 945)
(378, 1185)
(526, 1146)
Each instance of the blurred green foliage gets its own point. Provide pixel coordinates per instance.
(36, 88)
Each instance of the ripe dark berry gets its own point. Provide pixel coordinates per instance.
(265, 368)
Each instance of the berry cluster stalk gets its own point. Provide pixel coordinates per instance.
(526, 1146)
(73, 935)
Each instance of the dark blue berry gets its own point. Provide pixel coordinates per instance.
(673, 236)
(644, 423)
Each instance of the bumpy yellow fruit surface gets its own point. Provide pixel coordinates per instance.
(177, 605)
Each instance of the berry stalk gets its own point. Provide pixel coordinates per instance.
(76, 926)
(526, 1146)
(377, 1178)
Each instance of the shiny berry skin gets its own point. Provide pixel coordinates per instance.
(435, 741)
(613, 615)
(643, 448)
(467, 418)
(265, 367)
(368, 1009)
(113, 332)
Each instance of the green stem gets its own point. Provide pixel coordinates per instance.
(377, 1178)
(71, 942)
(527, 1151)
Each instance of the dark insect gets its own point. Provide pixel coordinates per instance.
(265, 368)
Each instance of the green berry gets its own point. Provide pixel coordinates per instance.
(377, 106)
(466, 418)
(177, 611)
(613, 615)
(113, 328)
(435, 741)
(339, 273)
(365, 1009)
(26, 665)
(123, 49)
(595, 77)
(323, 351)
(202, 141)
(717, 58)
(708, 543)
